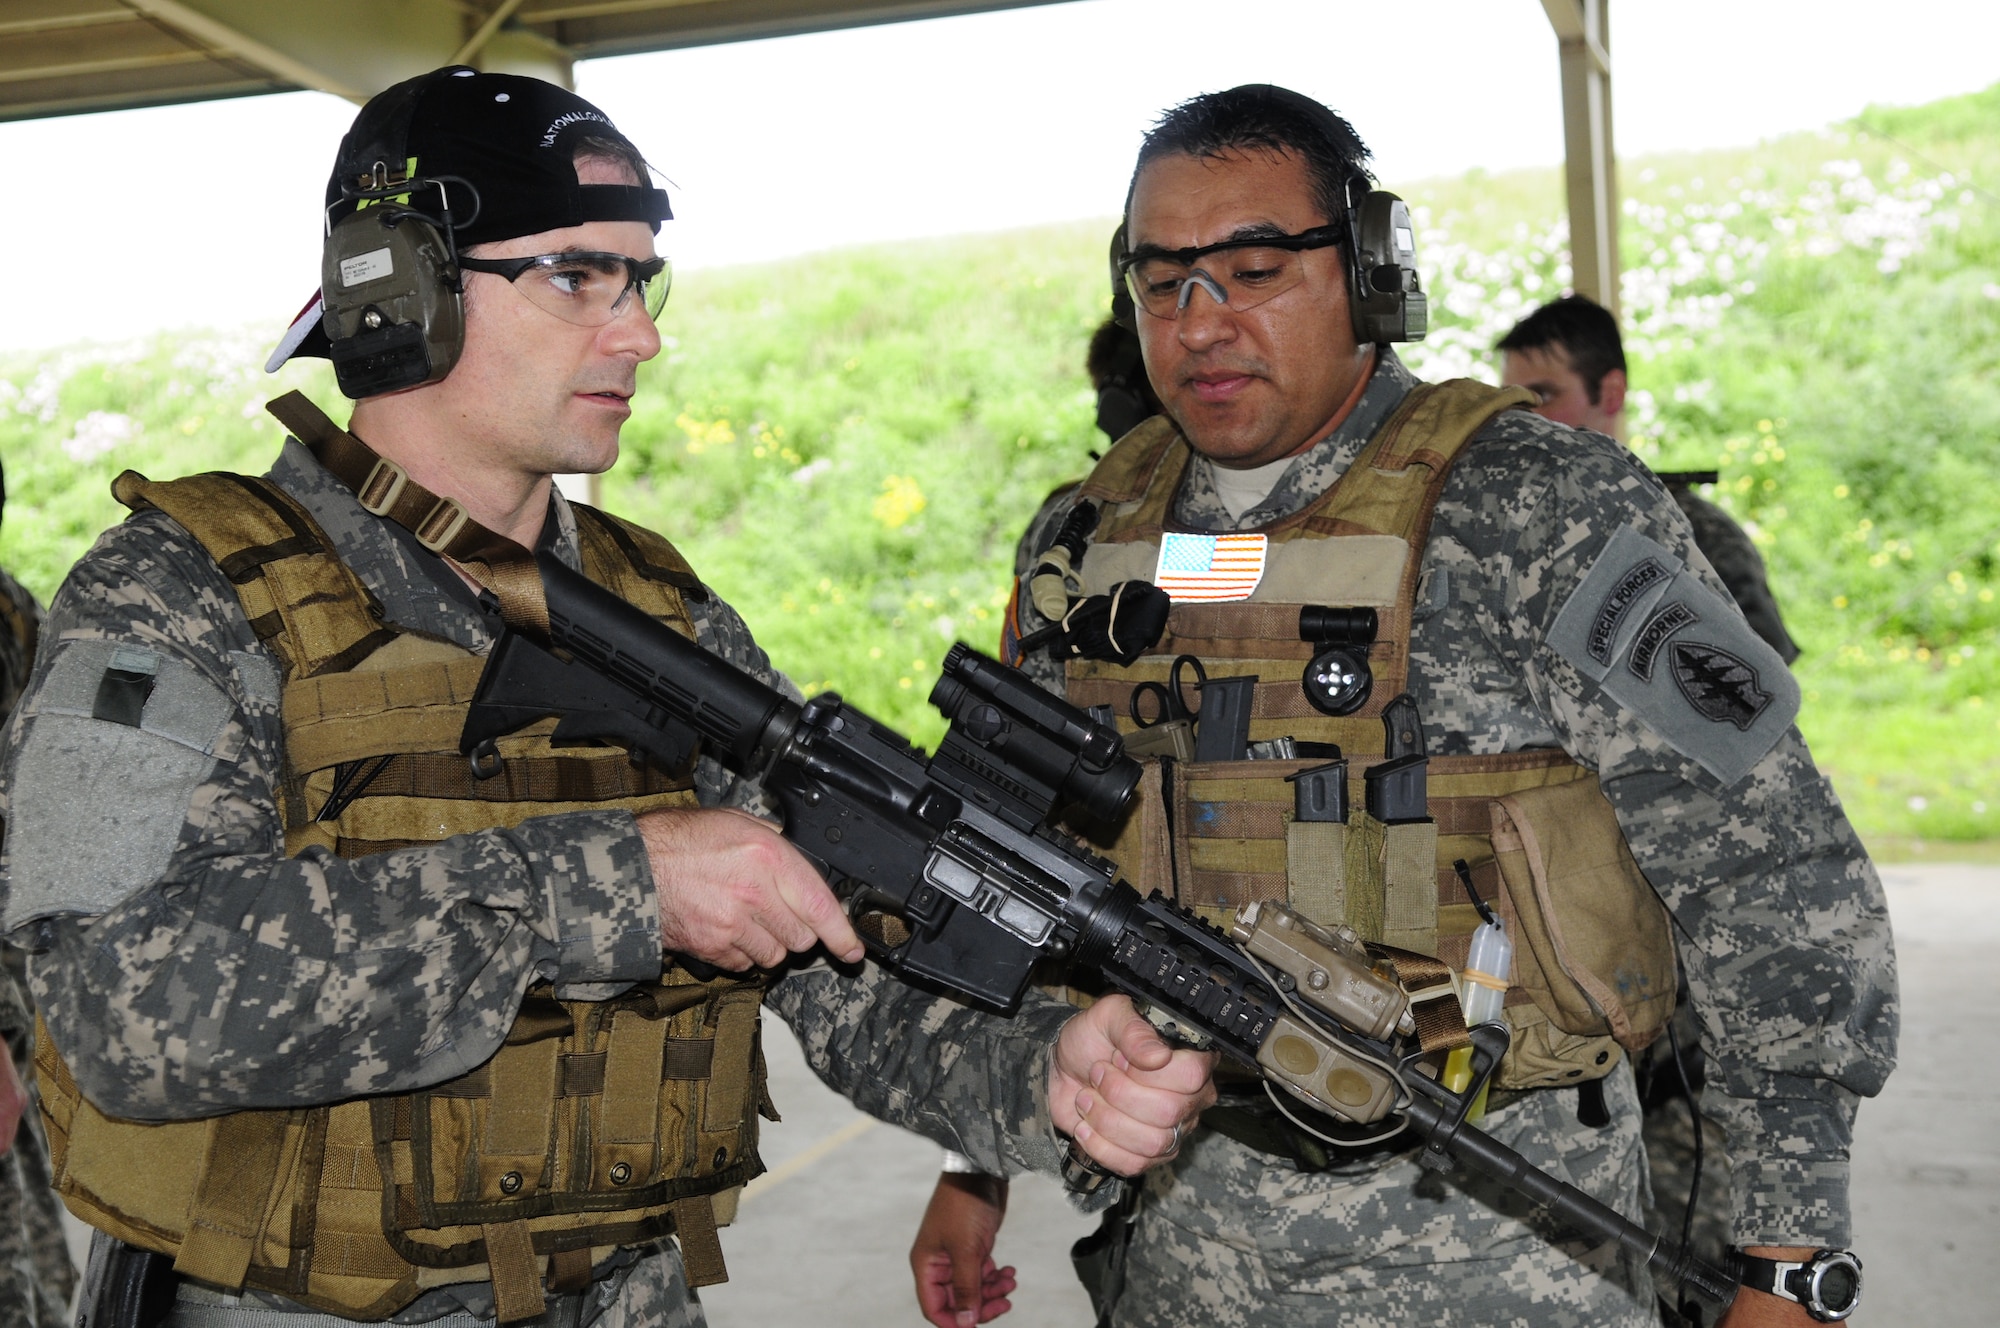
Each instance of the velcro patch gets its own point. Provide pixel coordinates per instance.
(116, 741)
(1678, 655)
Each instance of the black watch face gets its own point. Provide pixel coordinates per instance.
(1839, 1285)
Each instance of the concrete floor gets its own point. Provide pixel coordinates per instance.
(823, 1238)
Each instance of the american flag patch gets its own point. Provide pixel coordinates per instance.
(1199, 568)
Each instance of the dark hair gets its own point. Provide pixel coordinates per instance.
(617, 149)
(1262, 116)
(1582, 328)
(1117, 370)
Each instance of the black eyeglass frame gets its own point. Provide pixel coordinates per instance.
(638, 271)
(1318, 237)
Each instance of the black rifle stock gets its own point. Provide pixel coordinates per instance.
(955, 874)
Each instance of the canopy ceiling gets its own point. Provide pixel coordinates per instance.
(62, 57)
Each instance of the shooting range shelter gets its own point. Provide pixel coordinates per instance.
(67, 57)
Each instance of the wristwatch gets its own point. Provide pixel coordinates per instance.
(1828, 1284)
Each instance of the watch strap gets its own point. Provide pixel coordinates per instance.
(1766, 1275)
(1793, 1280)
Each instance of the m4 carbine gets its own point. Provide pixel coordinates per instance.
(955, 873)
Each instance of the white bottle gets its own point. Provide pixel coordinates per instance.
(1482, 989)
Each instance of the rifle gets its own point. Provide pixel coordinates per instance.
(955, 874)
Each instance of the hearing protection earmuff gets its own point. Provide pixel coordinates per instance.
(393, 310)
(1384, 293)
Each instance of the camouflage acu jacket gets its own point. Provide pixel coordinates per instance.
(194, 969)
(1781, 920)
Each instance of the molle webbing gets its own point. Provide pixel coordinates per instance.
(597, 1123)
(312, 612)
(1386, 496)
(1219, 835)
(1233, 819)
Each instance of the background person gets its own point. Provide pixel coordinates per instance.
(1569, 354)
(266, 895)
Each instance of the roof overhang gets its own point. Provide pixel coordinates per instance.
(64, 57)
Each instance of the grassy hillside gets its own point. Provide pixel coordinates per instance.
(848, 444)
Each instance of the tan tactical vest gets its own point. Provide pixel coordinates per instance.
(1593, 953)
(597, 1124)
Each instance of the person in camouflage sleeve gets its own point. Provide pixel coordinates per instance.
(36, 1277)
(188, 967)
(1780, 919)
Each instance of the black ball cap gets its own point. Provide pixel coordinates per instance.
(512, 138)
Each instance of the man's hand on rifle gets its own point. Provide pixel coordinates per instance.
(735, 895)
(958, 1284)
(1121, 1092)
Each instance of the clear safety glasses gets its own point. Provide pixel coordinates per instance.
(1241, 274)
(584, 287)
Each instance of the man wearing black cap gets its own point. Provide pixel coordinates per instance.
(344, 1028)
(1604, 746)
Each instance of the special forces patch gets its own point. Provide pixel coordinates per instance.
(1677, 655)
(1718, 684)
(1618, 604)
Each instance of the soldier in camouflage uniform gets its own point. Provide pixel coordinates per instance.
(35, 1273)
(187, 967)
(1780, 919)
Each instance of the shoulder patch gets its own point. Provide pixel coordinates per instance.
(1602, 614)
(116, 741)
(1677, 655)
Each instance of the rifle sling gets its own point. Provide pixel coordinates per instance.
(441, 525)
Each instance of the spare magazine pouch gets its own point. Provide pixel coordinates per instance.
(1594, 946)
(1316, 869)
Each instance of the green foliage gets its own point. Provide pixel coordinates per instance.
(847, 445)
(1950, 120)
(1819, 319)
(71, 420)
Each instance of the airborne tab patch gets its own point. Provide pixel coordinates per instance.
(1676, 655)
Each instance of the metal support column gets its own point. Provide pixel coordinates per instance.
(1583, 36)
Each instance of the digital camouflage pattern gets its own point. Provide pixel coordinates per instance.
(243, 978)
(1781, 920)
(1667, 1130)
(35, 1273)
(1228, 1239)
